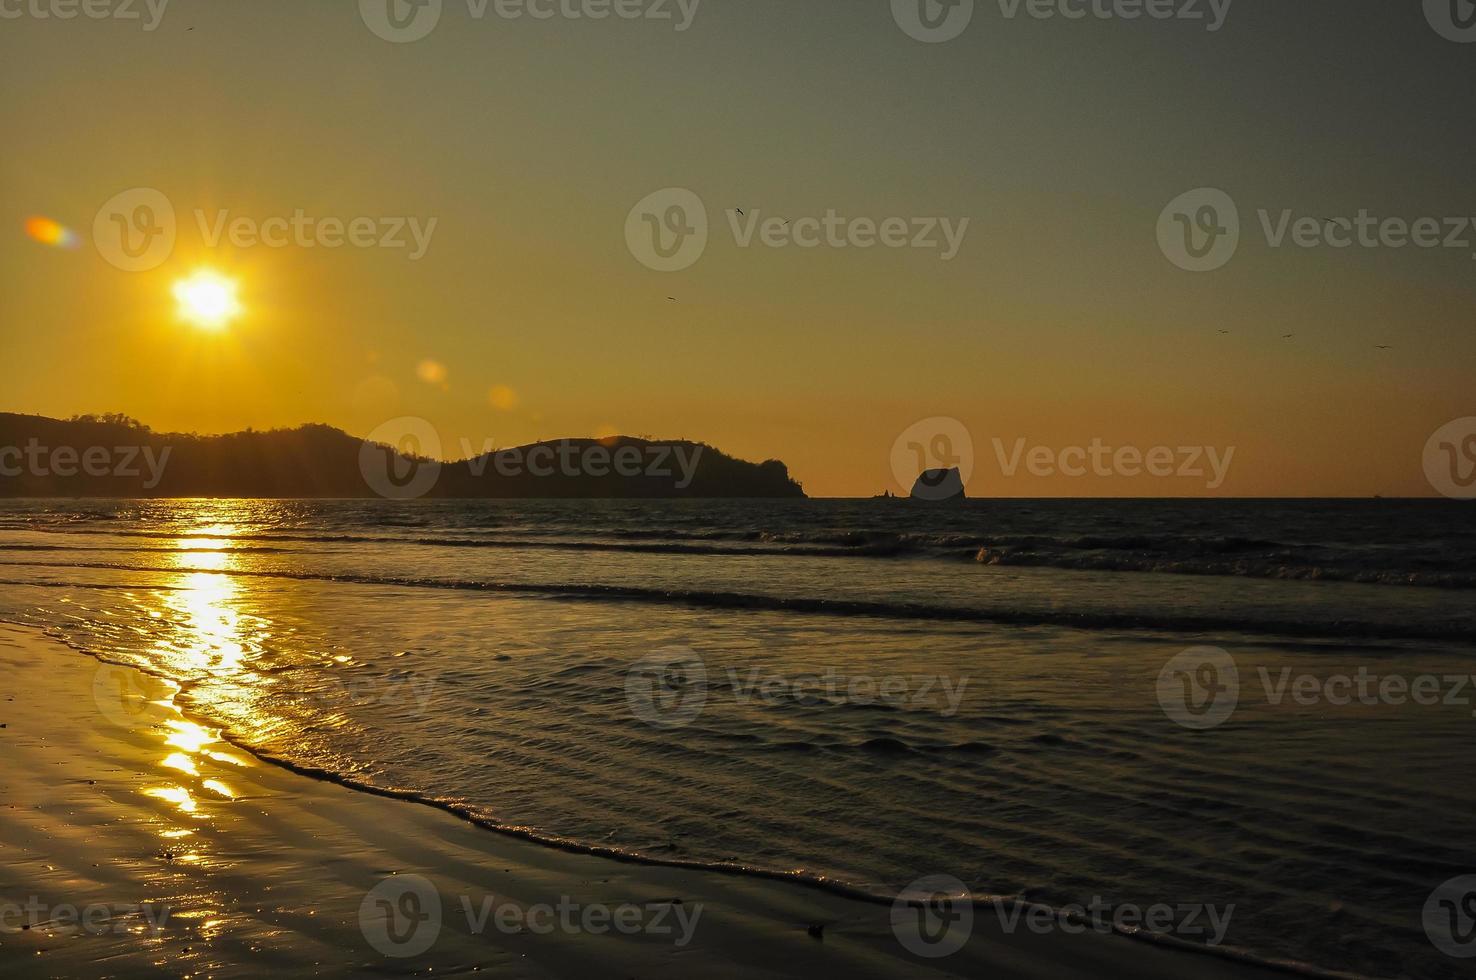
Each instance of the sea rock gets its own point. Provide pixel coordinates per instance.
(939, 485)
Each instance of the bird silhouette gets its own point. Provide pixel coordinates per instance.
(1382, 347)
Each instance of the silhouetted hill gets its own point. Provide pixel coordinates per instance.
(113, 456)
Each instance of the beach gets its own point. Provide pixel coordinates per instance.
(206, 861)
(1076, 720)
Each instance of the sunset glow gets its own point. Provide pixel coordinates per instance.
(207, 300)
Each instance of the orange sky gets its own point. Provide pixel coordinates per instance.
(528, 143)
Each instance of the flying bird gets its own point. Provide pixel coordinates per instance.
(1382, 347)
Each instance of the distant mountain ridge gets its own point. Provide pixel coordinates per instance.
(115, 456)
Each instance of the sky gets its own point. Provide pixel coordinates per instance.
(1060, 320)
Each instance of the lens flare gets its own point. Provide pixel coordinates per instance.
(52, 233)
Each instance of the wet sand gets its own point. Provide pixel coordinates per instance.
(194, 858)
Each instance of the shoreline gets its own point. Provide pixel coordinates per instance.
(122, 801)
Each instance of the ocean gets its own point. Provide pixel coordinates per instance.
(1264, 707)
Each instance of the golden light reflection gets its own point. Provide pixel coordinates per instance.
(218, 788)
(182, 762)
(201, 544)
(210, 636)
(176, 795)
(204, 602)
(230, 760)
(187, 735)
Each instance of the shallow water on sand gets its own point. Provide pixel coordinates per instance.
(864, 691)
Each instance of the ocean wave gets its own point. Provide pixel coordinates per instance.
(1178, 625)
(1023, 901)
(1166, 554)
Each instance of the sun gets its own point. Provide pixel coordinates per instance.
(207, 299)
